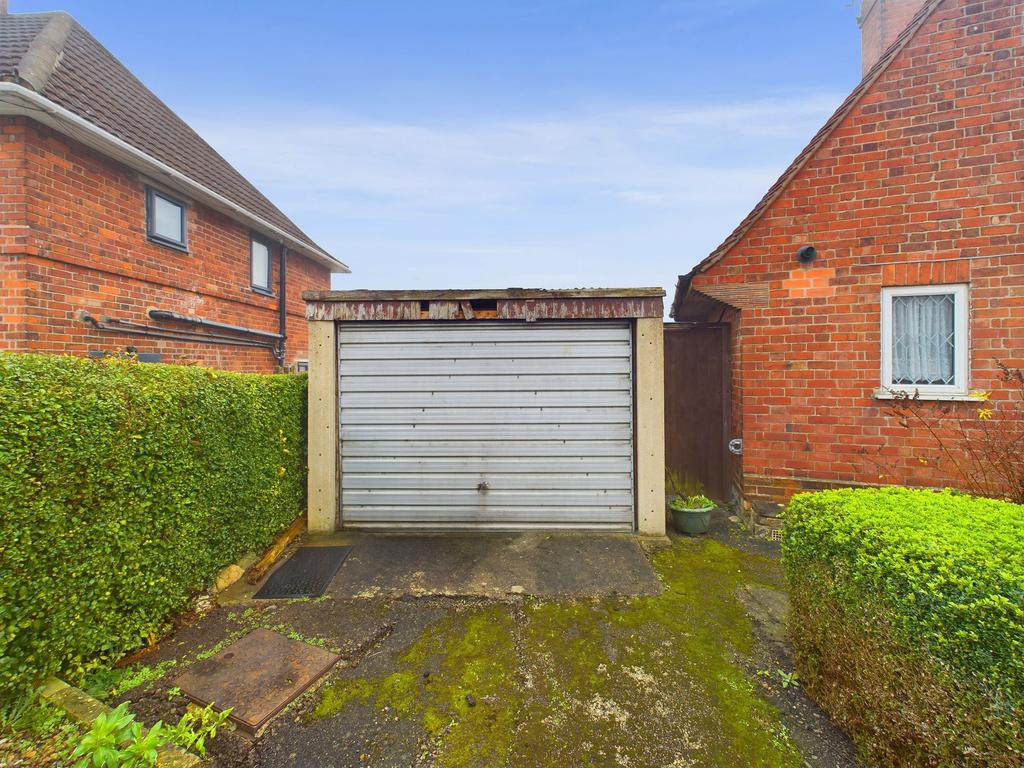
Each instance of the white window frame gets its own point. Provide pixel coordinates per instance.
(256, 280)
(961, 315)
(151, 233)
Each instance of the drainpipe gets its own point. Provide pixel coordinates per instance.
(166, 314)
(282, 308)
(140, 329)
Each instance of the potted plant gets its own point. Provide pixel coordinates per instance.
(691, 514)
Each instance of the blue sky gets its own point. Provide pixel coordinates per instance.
(496, 143)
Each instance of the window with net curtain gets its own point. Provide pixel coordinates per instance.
(924, 339)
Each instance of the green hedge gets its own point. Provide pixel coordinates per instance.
(125, 487)
(908, 621)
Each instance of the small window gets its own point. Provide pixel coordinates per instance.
(165, 219)
(924, 340)
(259, 261)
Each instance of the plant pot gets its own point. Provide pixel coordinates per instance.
(691, 521)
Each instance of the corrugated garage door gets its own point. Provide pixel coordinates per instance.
(486, 424)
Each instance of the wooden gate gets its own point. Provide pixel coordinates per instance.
(697, 412)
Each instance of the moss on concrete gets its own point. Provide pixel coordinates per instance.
(653, 681)
(457, 679)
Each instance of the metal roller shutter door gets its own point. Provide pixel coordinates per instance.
(486, 424)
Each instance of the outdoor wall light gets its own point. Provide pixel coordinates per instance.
(807, 254)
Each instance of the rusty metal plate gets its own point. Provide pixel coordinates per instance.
(257, 676)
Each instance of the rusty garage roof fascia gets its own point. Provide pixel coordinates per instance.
(499, 304)
(448, 294)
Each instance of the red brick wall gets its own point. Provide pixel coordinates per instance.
(922, 183)
(13, 233)
(80, 244)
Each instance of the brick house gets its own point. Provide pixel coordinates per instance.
(122, 229)
(887, 257)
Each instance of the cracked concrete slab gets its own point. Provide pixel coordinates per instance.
(494, 565)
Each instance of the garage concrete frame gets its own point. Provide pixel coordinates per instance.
(642, 307)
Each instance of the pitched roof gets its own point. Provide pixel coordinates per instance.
(54, 56)
(819, 138)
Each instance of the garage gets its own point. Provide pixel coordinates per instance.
(507, 410)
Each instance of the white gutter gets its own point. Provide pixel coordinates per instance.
(19, 101)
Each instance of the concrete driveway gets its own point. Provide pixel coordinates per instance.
(489, 565)
(524, 650)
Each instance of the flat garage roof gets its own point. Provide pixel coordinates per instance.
(485, 304)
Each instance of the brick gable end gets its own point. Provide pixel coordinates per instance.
(921, 183)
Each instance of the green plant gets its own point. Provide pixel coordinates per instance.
(908, 621)
(789, 679)
(196, 726)
(125, 488)
(107, 683)
(691, 502)
(786, 679)
(116, 740)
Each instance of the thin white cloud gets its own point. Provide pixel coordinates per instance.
(629, 195)
(644, 156)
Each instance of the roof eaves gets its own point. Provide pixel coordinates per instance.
(820, 137)
(16, 99)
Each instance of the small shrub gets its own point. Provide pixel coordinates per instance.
(908, 621)
(125, 488)
(691, 502)
(116, 740)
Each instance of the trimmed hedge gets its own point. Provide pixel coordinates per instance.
(125, 488)
(908, 621)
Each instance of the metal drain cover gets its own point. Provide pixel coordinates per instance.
(305, 574)
(256, 676)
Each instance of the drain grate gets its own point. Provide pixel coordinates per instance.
(306, 574)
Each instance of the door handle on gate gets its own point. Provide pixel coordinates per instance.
(736, 446)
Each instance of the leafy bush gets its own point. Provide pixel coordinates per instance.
(908, 621)
(125, 488)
